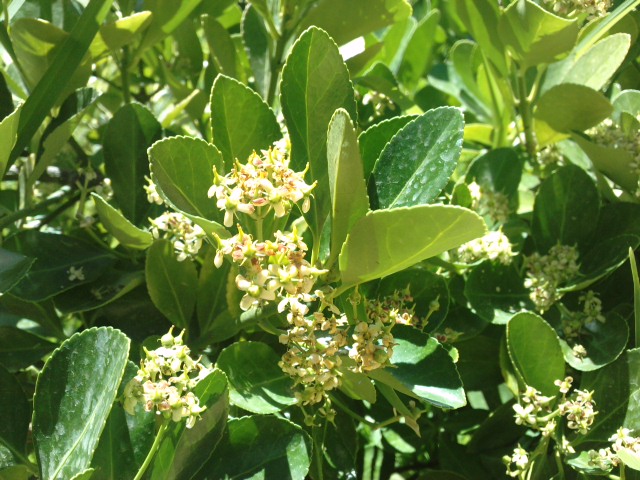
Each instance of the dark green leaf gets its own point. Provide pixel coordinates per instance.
(172, 284)
(259, 50)
(74, 395)
(416, 164)
(568, 107)
(55, 256)
(336, 16)
(478, 365)
(184, 451)
(127, 137)
(223, 52)
(349, 201)
(498, 170)
(373, 140)
(13, 267)
(20, 348)
(212, 289)
(16, 414)
(113, 458)
(533, 35)
(260, 447)
(496, 292)
(241, 122)
(534, 349)
(387, 241)
(257, 383)
(565, 209)
(122, 229)
(315, 83)
(422, 369)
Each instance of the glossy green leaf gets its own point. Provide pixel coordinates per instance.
(172, 284)
(417, 163)
(373, 140)
(604, 342)
(20, 348)
(184, 451)
(84, 475)
(113, 458)
(496, 292)
(13, 267)
(349, 201)
(64, 63)
(55, 256)
(257, 41)
(8, 131)
(128, 135)
(257, 384)
(533, 35)
(16, 414)
(616, 390)
(222, 50)
(335, 16)
(122, 229)
(241, 122)
(260, 447)
(567, 107)
(212, 290)
(183, 169)
(119, 33)
(387, 241)
(315, 83)
(593, 68)
(534, 349)
(74, 395)
(422, 369)
(566, 208)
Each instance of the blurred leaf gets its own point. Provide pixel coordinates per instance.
(533, 35)
(128, 135)
(593, 68)
(419, 53)
(422, 369)
(315, 83)
(387, 241)
(498, 170)
(260, 447)
(636, 296)
(565, 209)
(55, 256)
(122, 32)
(16, 414)
(496, 292)
(257, 41)
(13, 267)
(20, 348)
(630, 458)
(223, 52)
(122, 229)
(568, 107)
(64, 63)
(373, 140)
(8, 131)
(349, 201)
(172, 284)
(336, 17)
(184, 451)
(241, 121)
(113, 458)
(357, 385)
(416, 164)
(257, 384)
(534, 349)
(74, 395)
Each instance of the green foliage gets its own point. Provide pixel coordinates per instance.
(389, 239)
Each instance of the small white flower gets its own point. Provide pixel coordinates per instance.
(76, 274)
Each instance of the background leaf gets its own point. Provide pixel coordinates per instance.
(172, 284)
(13, 267)
(113, 458)
(16, 413)
(74, 394)
(8, 131)
(128, 135)
(257, 383)
(535, 351)
(387, 241)
(122, 229)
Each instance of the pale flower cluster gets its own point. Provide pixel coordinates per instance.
(571, 8)
(545, 273)
(263, 183)
(494, 246)
(495, 205)
(607, 458)
(591, 312)
(152, 192)
(516, 463)
(165, 381)
(185, 235)
(610, 134)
